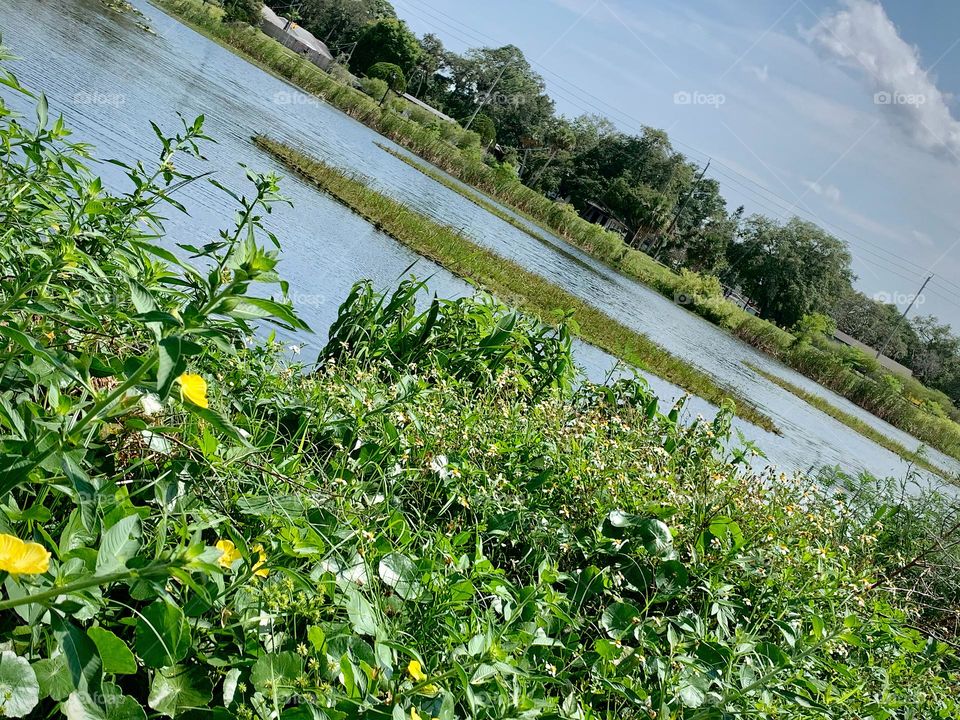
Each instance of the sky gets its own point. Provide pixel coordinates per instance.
(842, 112)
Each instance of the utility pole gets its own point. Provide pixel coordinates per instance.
(683, 204)
(486, 97)
(903, 317)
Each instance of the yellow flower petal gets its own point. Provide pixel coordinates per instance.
(22, 558)
(229, 553)
(414, 715)
(194, 388)
(258, 567)
(416, 671)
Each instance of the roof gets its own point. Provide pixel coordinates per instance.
(429, 108)
(886, 362)
(296, 32)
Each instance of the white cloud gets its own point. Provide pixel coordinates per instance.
(862, 35)
(830, 192)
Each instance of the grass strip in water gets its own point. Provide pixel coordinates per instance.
(856, 424)
(506, 279)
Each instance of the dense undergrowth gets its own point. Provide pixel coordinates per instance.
(435, 520)
(908, 405)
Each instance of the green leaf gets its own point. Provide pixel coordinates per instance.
(620, 619)
(656, 537)
(114, 653)
(693, 687)
(54, 677)
(275, 675)
(118, 545)
(399, 572)
(672, 578)
(163, 636)
(172, 364)
(19, 689)
(177, 688)
(360, 612)
(115, 706)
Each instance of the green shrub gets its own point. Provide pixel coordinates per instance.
(374, 87)
(391, 74)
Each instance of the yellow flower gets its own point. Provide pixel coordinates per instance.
(416, 671)
(258, 567)
(229, 553)
(414, 715)
(22, 558)
(194, 388)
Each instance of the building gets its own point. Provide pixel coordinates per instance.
(429, 108)
(291, 35)
(885, 362)
(604, 217)
(738, 298)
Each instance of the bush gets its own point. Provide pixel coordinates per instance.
(391, 74)
(245, 11)
(374, 87)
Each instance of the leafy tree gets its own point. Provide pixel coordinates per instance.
(387, 41)
(790, 270)
(336, 22)
(813, 326)
(484, 127)
(247, 11)
(390, 74)
(503, 84)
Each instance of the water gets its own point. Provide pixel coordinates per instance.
(109, 79)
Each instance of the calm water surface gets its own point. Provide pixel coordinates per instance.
(109, 79)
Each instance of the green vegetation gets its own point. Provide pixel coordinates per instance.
(391, 74)
(385, 41)
(512, 283)
(916, 457)
(907, 405)
(435, 520)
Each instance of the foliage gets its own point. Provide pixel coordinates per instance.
(391, 74)
(484, 126)
(375, 87)
(336, 22)
(814, 325)
(247, 11)
(790, 270)
(386, 41)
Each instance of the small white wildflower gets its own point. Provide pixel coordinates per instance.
(151, 405)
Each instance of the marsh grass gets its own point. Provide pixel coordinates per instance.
(916, 457)
(507, 280)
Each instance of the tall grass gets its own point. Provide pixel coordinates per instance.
(508, 280)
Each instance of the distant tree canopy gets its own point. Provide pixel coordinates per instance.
(484, 126)
(390, 74)
(791, 269)
(336, 22)
(386, 41)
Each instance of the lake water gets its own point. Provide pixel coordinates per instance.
(109, 79)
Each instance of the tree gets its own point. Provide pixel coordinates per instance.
(485, 128)
(790, 270)
(247, 11)
(501, 83)
(337, 22)
(390, 74)
(387, 41)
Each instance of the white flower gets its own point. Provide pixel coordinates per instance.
(439, 466)
(151, 404)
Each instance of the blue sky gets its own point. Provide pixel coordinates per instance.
(843, 112)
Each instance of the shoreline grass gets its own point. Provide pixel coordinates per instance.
(509, 281)
(856, 424)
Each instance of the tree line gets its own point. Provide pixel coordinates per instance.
(791, 269)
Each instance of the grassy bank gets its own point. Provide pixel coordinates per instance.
(854, 423)
(907, 405)
(506, 279)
